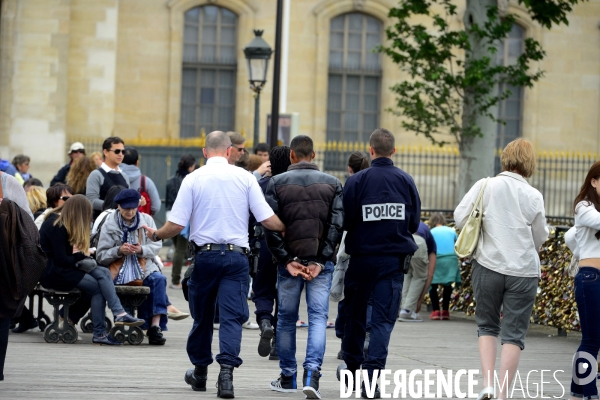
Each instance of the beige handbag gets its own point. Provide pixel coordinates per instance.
(469, 235)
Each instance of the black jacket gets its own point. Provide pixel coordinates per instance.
(61, 176)
(173, 185)
(61, 272)
(309, 203)
(382, 209)
(21, 258)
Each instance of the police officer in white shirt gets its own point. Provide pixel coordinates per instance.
(216, 199)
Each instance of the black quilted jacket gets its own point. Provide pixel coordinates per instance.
(309, 203)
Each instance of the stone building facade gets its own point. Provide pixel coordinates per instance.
(165, 68)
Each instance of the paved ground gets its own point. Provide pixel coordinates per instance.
(39, 370)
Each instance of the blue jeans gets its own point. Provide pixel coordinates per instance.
(377, 279)
(587, 296)
(98, 284)
(222, 275)
(156, 302)
(317, 302)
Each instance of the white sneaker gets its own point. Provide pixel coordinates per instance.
(216, 326)
(487, 393)
(412, 317)
(249, 325)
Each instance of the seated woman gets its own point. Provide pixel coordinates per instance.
(122, 236)
(55, 197)
(65, 238)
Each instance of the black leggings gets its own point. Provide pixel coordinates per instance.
(435, 300)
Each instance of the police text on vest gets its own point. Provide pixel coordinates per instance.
(377, 212)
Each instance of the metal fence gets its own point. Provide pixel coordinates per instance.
(435, 170)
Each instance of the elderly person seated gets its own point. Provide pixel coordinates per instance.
(122, 239)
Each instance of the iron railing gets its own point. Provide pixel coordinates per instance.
(558, 177)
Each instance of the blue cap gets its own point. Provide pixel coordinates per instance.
(128, 198)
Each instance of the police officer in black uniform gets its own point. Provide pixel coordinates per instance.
(382, 208)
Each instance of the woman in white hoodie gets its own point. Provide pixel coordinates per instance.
(584, 241)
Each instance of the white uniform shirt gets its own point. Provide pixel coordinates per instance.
(217, 199)
(513, 226)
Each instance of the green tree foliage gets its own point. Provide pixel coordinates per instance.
(448, 86)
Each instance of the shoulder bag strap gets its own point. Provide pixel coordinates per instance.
(479, 202)
(1, 192)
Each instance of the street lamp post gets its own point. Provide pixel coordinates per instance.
(257, 53)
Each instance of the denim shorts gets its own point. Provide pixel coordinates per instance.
(496, 293)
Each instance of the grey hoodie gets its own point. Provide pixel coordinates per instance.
(111, 237)
(134, 174)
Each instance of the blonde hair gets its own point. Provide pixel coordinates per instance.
(79, 172)
(36, 196)
(96, 153)
(519, 156)
(76, 216)
(254, 163)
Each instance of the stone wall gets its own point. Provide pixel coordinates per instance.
(80, 68)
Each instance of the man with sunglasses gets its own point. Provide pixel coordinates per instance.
(237, 147)
(109, 174)
(77, 150)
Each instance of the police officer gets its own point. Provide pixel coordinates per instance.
(216, 200)
(381, 208)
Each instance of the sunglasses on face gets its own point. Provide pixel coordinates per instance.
(65, 198)
(240, 149)
(78, 151)
(117, 151)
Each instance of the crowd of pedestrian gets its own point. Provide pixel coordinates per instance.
(273, 225)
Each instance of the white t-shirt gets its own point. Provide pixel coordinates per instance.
(217, 199)
(513, 226)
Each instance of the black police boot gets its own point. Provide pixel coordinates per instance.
(376, 392)
(225, 382)
(266, 334)
(196, 378)
(273, 354)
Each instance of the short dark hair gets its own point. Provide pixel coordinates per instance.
(131, 156)
(302, 145)
(186, 161)
(32, 182)
(53, 193)
(109, 199)
(383, 142)
(280, 159)
(20, 159)
(109, 141)
(261, 147)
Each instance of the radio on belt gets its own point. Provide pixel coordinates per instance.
(377, 212)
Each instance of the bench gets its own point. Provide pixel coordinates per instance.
(42, 318)
(59, 330)
(131, 298)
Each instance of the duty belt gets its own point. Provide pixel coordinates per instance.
(217, 247)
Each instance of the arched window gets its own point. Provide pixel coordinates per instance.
(209, 71)
(510, 110)
(353, 97)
